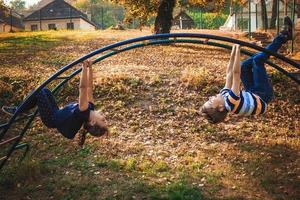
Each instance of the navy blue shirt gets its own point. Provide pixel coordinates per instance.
(70, 119)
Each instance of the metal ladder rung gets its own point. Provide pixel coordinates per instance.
(3, 158)
(295, 73)
(9, 140)
(2, 126)
(63, 77)
(115, 50)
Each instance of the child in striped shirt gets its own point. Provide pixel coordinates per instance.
(257, 89)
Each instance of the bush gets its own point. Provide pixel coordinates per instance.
(208, 20)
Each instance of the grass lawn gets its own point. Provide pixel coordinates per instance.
(158, 147)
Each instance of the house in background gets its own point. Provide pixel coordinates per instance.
(239, 20)
(183, 21)
(10, 21)
(58, 15)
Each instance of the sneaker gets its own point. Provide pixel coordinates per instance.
(10, 110)
(287, 28)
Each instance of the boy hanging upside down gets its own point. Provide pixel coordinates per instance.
(257, 89)
(69, 119)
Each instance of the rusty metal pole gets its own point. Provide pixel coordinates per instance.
(293, 19)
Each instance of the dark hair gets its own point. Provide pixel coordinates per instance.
(95, 130)
(214, 115)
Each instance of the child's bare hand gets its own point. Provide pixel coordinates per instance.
(86, 63)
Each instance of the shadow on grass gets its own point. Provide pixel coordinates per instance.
(104, 181)
(79, 175)
(275, 167)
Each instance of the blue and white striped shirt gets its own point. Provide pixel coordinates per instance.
(246, 104)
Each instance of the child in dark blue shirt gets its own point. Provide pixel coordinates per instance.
(69, 119)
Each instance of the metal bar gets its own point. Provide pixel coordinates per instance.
(11, 150)
(162, 40)
(144, 38)
(2, 126)
(278, 14)
(294, 78)
(9, 140)
(11, 20)
(256, 16)
(21, 146)
(102, 24)
(235, 17)
(63, 77)
(2, 158)
(157, 42)
(242, 18)
(40, 19)
(293, 20)
(249, 23)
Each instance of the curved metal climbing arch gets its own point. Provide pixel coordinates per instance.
(113, 49)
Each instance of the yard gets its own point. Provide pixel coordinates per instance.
(158, 146)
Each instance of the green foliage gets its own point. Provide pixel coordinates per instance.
(17, 5)
(160, 166)
(102, 12)
(1, 4)
(143, 10)
(207, 20)
(182, 191)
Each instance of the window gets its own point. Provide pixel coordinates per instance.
(70, 26)
(34, 27)
(51, 26)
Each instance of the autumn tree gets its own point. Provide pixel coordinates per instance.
(274, 14)
(162, 9)
(17, 5)
(1, 4)
(264, 14)
(163, 20)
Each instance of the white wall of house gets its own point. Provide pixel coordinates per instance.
(6, 28)
(84, 25)
(60, 24)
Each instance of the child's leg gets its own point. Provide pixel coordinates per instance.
(262, 86)
(47, 107)
(246, 73)
(276, 44)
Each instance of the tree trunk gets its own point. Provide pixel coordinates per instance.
(274, 14)
(163, 21)
(298, 8)
(285, 7)
(264, 16)
(231, 8)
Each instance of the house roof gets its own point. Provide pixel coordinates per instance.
(11, 17)
(183, 14)
(56, 9)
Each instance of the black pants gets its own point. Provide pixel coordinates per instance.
(47, 107)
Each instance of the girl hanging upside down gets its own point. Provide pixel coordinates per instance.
(257, 89)
(69, 119)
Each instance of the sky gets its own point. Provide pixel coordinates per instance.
(28, 2)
